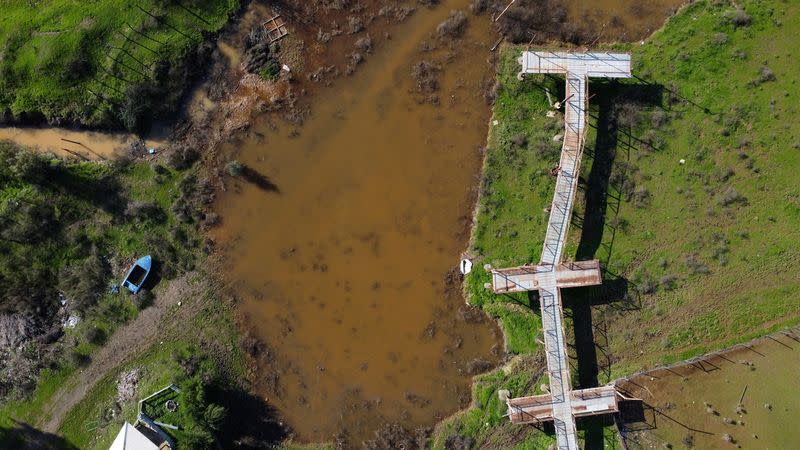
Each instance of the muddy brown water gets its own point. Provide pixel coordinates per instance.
(340, 255)
(88, 145)
(621, 20)
(340, 244)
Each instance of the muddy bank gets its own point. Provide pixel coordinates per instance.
(745, 397)
(579, 23)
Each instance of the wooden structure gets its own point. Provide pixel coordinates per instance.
(275, 28)
(562, 404)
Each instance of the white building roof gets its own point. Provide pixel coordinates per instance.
(129, 438)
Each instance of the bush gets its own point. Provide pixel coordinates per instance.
(641, 197)
(696, 266)
(145, 212)
(424, 73)
(143, 298)
(234, 168)
(659, 118)
(453, 26)
(731, 196)
(520, 140)
(270, 71)
(96, 335)
(84, 282)
(766, 74)
(364, 44)
(479, 7)
(738, 18)
(668, 282)
(135, 112)
(720, 39)
(182, 157)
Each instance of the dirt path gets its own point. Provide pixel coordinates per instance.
(125, 343)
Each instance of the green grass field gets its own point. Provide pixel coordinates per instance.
(103, 63)
(697, 255)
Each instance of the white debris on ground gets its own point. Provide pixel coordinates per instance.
(127, 386)
(72, 321)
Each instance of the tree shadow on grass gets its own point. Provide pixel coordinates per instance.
(22, 436)
(104, 193)
(251, 423)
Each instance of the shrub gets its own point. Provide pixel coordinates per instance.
(234, 168)
(737, 17)
(182, 156)
(720, 39)
(731, 196)
(28, 166)
(479, 7)
(78, 358)
(641, 197)
(646, 285)
(668, 282)
(520, 140)
(145, 212)
(143, 298)
(766, 74)
(696, 266)
(354, 24)
(424, 73)
(84, 282)
(659, 118)
(364, 44)
(135, 112)
(96, 335)
(453, 26)
(270, 70)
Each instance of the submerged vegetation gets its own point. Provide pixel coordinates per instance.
(686, 197)
(105, 63)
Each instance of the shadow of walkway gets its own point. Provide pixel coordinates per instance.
(598, 231)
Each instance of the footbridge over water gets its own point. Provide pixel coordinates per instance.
(562, 404)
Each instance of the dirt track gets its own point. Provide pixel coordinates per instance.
(124, 344)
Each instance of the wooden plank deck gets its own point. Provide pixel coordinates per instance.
(584, 402)
(526, 278)
(562, 404)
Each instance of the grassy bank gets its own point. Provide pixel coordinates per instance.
(209, 356)
(105, 63)
(69, 232)
(686, 196)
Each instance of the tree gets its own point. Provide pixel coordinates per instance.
(214, 416)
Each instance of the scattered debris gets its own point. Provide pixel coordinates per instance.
(127, 386)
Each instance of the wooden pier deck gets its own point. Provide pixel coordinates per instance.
(562, 404)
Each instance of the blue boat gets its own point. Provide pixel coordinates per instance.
(138, 273)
